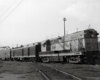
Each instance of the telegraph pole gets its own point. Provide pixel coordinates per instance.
(64, 19)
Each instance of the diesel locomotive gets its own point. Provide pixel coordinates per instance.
(78, 47)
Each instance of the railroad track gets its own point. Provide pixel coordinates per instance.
(54, 74)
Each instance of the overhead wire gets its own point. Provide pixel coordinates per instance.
(8, 8)
(2, 7)
(12, 10)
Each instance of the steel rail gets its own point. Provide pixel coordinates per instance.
(44, 75)
(68, 74)
(65, 73)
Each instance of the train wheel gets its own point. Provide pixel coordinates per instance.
(45, 59)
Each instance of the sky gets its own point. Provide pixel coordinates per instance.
(28, 21)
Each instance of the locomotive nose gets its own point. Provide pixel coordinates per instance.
(93, 33)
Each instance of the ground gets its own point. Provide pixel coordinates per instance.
(18, 71)
(13, 70)
(83, 71)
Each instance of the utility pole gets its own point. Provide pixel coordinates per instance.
(17, 45)
(64, 19)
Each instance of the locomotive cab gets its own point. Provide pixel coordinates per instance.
(84, 42)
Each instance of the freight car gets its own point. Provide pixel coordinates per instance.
(5, 53)
(78, 47)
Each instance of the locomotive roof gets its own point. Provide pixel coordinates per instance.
(69, 37)
(72, 36)
(26, 46)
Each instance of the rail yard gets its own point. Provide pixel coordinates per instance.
(49, 40)
(75, 58)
